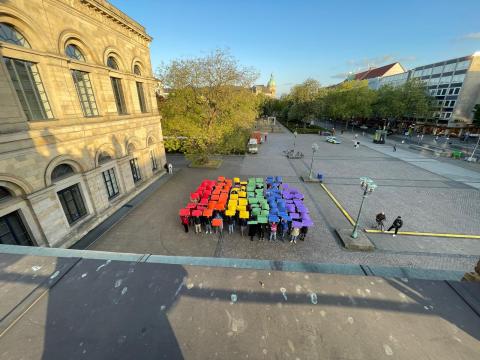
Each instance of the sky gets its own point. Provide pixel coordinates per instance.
(296, 40)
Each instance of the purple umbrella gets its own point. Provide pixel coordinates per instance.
(294, 215)
(297, 224)
(290, 207)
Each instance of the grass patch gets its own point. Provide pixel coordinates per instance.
(210, 164)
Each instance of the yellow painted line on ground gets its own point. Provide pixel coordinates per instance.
(340, 207)
(411, 233)
(415, 233)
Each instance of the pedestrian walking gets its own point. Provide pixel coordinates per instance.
(184, 220)
(265, 137)
(380, 219)
(303, 233)
(273, 231)
(198, 224)
(170, 168)
(394, 147)
(397, 224)
(294, 234)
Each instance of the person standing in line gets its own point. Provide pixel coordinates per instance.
(261, 231)
(170, 168)
(252, 231)
(229, 221)
(184, 220)
(243, 226)
(295, 233)
(207, 223)
(303, 233)
(273, 231)
(198, 224)
(397, 224)
(265, 137)
(394, 147)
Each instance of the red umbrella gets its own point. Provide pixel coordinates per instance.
(191, 206)
(194, 195)
(197, 213)
(184, 212)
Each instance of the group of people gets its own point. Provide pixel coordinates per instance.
(282, 230)
(396, 225)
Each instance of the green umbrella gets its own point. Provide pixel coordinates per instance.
(254, 206)
(265, 206)
(252, 222)
(255, 211)
(259, 180)
(265, 213)
(252, 200)
(262, 220)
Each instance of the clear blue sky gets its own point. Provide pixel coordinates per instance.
(310, 38)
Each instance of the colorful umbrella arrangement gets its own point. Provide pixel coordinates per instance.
(223, 195)
(269, 200)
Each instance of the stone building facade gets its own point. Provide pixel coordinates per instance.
(80, 132)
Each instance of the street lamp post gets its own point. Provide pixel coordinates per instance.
(474, 149)
(294, 139)
(314, 150)
(368, 186)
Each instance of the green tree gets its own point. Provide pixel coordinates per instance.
(210, 100)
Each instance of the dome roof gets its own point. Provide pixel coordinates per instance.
(271, 83)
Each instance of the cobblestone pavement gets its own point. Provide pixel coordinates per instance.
(153, 226)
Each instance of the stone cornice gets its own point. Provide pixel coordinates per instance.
(109, 15)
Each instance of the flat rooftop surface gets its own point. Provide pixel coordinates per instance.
(85, 308)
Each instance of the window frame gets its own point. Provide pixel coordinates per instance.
(135, 169)
(110, 178)
(118, 95)
(78, 202)
(141, 97)
(28, 240)
(153, 159)
(90, 98)
(36, 85)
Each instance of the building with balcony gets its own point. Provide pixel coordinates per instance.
(80, 132)
(455, 85)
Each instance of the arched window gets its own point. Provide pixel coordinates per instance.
(73, 52)
(62, 171)
(10, 35)
(5, 194)
(137, 70)
(112, 63)
(104, 157)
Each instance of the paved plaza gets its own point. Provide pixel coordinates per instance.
(408, 186)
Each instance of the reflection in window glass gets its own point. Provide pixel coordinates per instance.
(10, 35)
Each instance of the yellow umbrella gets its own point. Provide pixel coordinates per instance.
(242, 194)
(230, 212)
(232, 202)
(242, 201)
(233, 196)
(243, 183)
(244, 215)
(241, 208)
(236, 180)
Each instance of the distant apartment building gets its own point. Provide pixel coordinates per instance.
(379, 72)
(455, 84)
(80, 131)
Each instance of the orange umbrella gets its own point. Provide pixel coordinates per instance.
(220, 207)
(208, 212)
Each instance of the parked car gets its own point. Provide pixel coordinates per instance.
(253, 146)
(333, 140)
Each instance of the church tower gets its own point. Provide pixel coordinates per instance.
(272, 86)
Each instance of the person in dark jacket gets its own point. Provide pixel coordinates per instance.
(303, 233)
(261, 231)
(397, 224)
(243, 226)
(380, 219)
(252, 230)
